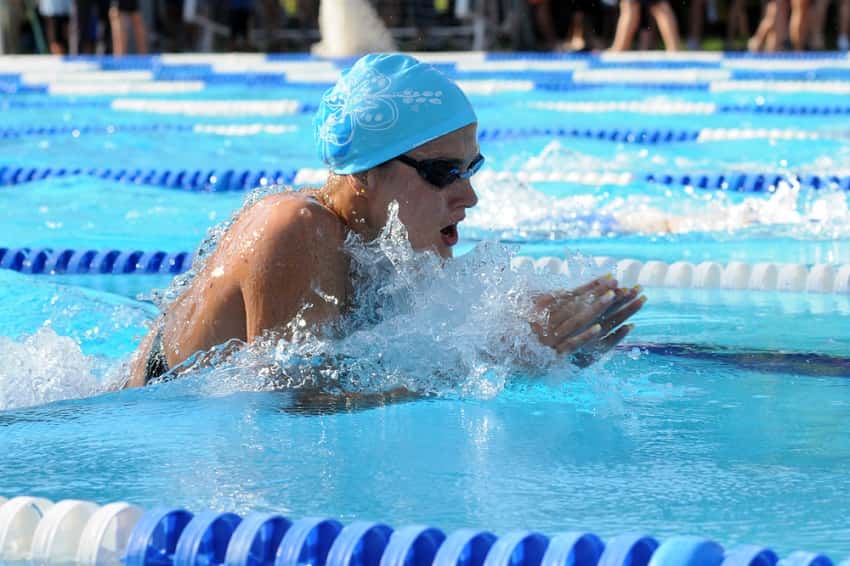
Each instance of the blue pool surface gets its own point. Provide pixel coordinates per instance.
(738, 433)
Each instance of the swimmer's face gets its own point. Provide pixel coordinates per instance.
(430, 214)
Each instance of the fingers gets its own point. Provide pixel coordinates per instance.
(605, 282)
(586, 316)
(574, 343)
(612, 340)
(614, 318)
(600, 347)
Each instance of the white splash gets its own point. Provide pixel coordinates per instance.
(45, 367)
(418, 322)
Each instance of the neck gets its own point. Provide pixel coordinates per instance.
(346, 203)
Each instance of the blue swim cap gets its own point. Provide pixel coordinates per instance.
(383, 106)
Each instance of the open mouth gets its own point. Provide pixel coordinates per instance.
(449, 234)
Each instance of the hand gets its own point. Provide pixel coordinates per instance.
(580, 322)
(625, 304)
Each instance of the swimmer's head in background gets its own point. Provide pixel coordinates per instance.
(384, 106)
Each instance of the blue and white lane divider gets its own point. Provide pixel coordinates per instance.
(305, 68)
(119, 534)
(477, 86)
(209, 129)
(818, 278)
(672, 107)
(616, 135)
(276, 108)
(212, 180)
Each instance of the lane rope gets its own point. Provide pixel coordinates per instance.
(765, 276)
(87, 534)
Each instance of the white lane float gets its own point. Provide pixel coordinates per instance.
(57, 537)
(19, 518)
(763, 276)
(103, 541)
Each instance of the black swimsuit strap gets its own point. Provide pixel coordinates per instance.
(157, 364)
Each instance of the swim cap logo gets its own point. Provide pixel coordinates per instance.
(366, 104)
(383, 106)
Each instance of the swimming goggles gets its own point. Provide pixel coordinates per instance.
(442, 172)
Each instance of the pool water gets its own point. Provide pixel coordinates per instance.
(724, 413)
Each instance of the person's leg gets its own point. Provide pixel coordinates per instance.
(627, 25)
(695, 23)
(737, 25)
(172, 11)
(799, 19)
(140, 32)
(119, 33)
(64, 24)
(817, 22)
(759, 39)
(779, 36)
(844, 25)
(665, 18)
(83, 15)
(545, 24)
(56, 30)
(576, 41)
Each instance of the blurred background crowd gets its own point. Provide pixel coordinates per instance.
(141, 26)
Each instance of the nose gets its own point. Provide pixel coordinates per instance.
(463, 194)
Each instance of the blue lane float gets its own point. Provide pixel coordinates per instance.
(177, 537)
(77, 131)
(48, 261)
(415, 545)
(214, 180)
(256, 540)
(156, 537)
(642, 136)
(631, 550)
(575, 549)
(688, 551)
(750, 555)
(181, 179)
(360, 544)
(465, 547)
(518, 548)
(308, 541)
(206, 538)
(784, 109)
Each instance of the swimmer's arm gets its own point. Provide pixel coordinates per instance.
(277, 280)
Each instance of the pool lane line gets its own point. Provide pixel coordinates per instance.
(643, 136)
(673, 107)
(734, 275)
(764, 276)
(85, 533)
(215, 180)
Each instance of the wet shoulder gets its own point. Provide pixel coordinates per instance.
(294, 219)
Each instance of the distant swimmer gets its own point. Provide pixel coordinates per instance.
(392, 130)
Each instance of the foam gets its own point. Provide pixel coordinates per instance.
(418, 322)
(44, 367)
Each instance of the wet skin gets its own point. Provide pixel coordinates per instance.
(283, 256)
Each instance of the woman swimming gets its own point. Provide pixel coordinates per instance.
(392, 129)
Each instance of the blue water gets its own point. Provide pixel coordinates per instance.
(739, 449)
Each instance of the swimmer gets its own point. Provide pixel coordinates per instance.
(392, 129)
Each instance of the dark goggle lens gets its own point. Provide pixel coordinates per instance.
(442, 173)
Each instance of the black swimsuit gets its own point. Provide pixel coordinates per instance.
(157, 364)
